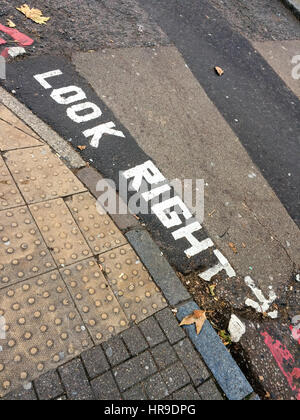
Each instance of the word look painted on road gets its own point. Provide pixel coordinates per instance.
(80, 112)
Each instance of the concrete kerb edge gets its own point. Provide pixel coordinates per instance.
(49, 136)
(184, 301)
(294, 6)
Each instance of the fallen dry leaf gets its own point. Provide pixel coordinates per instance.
(35, 15)
(219, 71)
(197, 317)
(233, 247)
(10, 23)
(81, 147)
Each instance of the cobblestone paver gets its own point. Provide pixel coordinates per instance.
(81, 318)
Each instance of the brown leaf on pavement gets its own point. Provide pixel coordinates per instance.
(197, 317)
(35, 15)
(81, 147)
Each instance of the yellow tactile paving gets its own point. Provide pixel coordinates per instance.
(42, 330)
(95, 300)
(9, 193)
(131, 283)
(13, 138)
(61, 233)
(41, 175)
(9, 117)
(98, 229)
(23, 253)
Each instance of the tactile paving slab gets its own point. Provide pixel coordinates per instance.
(12, 138)
(61, 233)
(23, 253)
(99, 308)
(98, 229)
(9, 193)
(9, 117)
(134, 288)
(43, 330)
(41, 175)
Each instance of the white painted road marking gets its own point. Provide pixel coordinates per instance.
(222, 265)
(263, 304)
(77, 112)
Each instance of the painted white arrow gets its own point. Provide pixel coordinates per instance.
(263, 304)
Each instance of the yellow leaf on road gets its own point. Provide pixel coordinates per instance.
(35, 15)
(10, 23)
(219, 71)
(197, 317)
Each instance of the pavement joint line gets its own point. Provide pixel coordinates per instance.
(46, 133)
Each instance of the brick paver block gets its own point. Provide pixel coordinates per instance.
(21, 395)
(115, 351)
(48, 386)
(75, 381)
(192, 362)
(156, 388)
(186, 394)
(105, 388)
(95, 362)
(164, 355)
(134, 371)
(134, 341)
(136, 393)
(152, 332)
(176, 377)
(209, 392)
(170, 326)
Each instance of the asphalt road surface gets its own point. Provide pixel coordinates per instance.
(149, 67)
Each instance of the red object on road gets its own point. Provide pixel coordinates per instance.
(21, 39)
(284, 358)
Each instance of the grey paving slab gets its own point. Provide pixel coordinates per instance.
(161, 271)
(164, 355)
(152, 331)
(105, 388)
(169, 324)
(75, 381)
(134, 371)
(134, 341)
(115, 351)
(95, 362)
(49, 386)
(156, 387)
(217, 358)
(186, 394)
(210, 392)
(176, 377)
(191, 361)
(136, 393)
